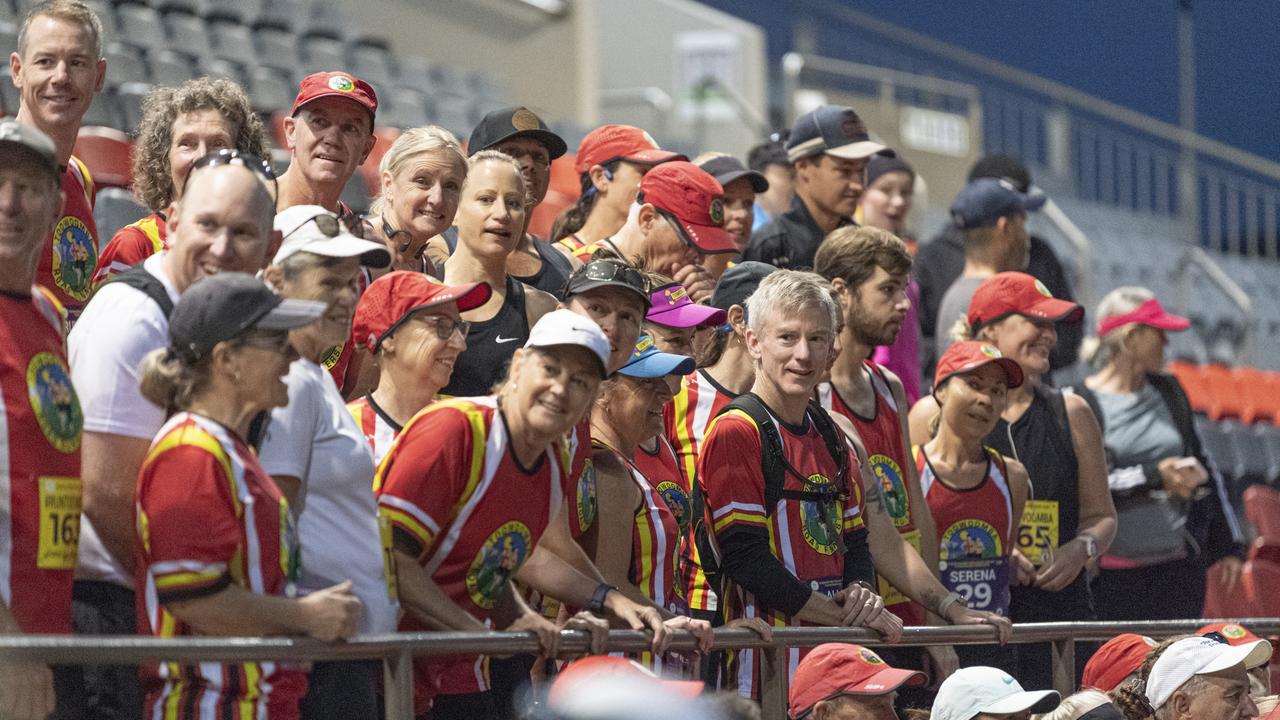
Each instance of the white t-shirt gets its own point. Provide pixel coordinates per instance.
(105, 348)
(314, 438)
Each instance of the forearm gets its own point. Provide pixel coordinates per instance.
(550, 574)
(1102, 528)
(859, 563)
(109, 472)
(820, 610)
(559, 541)
(421, 596)
(8, 625)
(236, 611)
(748, 562)
(901, 565)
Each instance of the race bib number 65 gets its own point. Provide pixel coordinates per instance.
(1038, 533)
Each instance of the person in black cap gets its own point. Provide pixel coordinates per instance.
(520, 133)
(770, 160)
(941, 260)
(740, 189)
(829, 148)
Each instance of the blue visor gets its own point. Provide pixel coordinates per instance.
(647, 361)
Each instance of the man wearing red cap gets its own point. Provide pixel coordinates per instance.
(836, 681)
(329, 133)
(676, 220)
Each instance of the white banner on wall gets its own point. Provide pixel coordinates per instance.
(936, 132)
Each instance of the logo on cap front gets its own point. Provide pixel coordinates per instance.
(852, 126)
(642, 345)
(524, 119)
(1235, 632)
(675, 294)
(649, 139)
(341, 83)
(716, 211)
(1040, 288)
(991, 351)
(869, 657)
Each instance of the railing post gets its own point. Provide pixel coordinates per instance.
(398, 675)
(773, 681)
(1064, 666)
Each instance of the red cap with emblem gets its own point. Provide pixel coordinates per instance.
(969, 355)
(336, 84)
(391, 299)
(694, 198)
(620, 142)
(1017, 293)
(837, 669)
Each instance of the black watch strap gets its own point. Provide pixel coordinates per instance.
(597, 598)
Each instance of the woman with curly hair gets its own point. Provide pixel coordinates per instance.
(179, 125)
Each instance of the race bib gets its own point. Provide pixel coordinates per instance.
(892, 596)
(974, 564)
(59, 523)
(1038, 533)
(827, 586)
(388, 559)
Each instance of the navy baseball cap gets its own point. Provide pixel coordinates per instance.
(738, 282)
(983, 201)
(835, 130)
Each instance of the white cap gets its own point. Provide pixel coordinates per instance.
(1200, 656)
(311, 228)
(566, 327)
(973, 690)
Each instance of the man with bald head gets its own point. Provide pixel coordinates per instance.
(222, 221)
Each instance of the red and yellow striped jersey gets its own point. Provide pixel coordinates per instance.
(224, 524)
(70, 253)
(131, 245)
(377, 429)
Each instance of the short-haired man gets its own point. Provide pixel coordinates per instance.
(58, 68)
(40, 485)
(829, 148)
(941, 260)
(991, 214)
(838, 681)
(770, 160)
(329, 133)
(1202, 679)
(220, 222)
(676, 220)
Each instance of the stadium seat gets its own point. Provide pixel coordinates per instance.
(1260, 582)
(356, 194)
(188, 33)
(220, 67)
(1252, 459)
(383, 137)
(1217, 445)
(402, 108)
(278, 47)
(1220, 601)
(115, 208)
(275, 14)
(125, 63)
(371, 61)
(107, 153)
(106, 15)
(1225, 397)
(103, 112)
(232, 40)
(1258, 389)
(129, 101)
(322, 53)
(452, 112)
(170, 67)
(1192, 378)
(10, 97)
(415, 71)
(190, 7)
(8, 12)
(1262, 507)
(241, 12)
(140, 23)
(1265, 550)
(1269, 437)
(271, 89)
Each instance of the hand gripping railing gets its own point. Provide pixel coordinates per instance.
(397, 650)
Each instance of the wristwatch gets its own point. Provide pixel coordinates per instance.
(596, 606)
(1090, 545)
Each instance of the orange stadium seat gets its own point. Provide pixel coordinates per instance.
(369, 170)
(1260, 582)
(1221, 602)
(1225, 397)
(1262, 507)
(1258, 388)
(1191, 377)
(107, 153)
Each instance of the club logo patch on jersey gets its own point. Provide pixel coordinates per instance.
(341, 83)
(502, 555)
(586, 496)
(678, 501)
(332, 356)
(896, 501)
(971, 539)
(820, 521)
(74, 257)
(54, 402)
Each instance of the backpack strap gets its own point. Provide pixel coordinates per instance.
(139, 279)
(834, 439)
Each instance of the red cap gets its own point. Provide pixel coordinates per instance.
(695, 199)
(1117, 659)
(390, 299)
(620, 142)
(580, 673)
(1151, 313)
(969, 355)
(336, 84)
(1010, 293)
(1234, 633)
(840, 669)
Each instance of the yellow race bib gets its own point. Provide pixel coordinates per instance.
(892, 596)
(59, 523)
(1038, 533)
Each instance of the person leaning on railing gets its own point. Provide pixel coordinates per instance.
(217, 550)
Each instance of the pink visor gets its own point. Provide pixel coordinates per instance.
(1150, 313)
(670, 305)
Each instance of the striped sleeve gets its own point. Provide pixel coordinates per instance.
(852, 518)
(730, 473)
(129, 246)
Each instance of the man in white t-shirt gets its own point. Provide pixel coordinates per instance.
(222, 221)
(319, 456)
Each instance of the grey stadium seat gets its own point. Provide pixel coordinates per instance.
(170, 67)
(278, 47)
(125, 63)
(188, 33)
(1268, 436)
(271, 89)
(322, 54)
(223, 68)
(232, 40)
(129, 101)
(139, 22)
(103, 111)
(402, 108)
(371, 61)
(1218, 445)
(113, 209)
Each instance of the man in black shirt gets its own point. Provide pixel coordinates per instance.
(829, 148)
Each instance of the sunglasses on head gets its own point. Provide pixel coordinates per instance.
(248, 160)
(612, 271)
(328, 224)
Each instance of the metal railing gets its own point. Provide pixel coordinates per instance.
(397, 651)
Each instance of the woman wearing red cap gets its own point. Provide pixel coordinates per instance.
(974, 493)
(1069, 518)
(1174, 517)
(611, 161)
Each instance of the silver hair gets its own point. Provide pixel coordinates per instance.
(788, 292)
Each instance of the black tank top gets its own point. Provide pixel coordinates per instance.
(552, 277)
(490, 345)
(1041, 441)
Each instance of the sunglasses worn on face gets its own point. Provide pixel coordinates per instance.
(236, 157)
(276, 342)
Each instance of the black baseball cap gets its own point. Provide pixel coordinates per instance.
(727, 168)
(31, 141)
(738, 282)
(514, 122)
(607, 272)
(225, 306)
(985, 200)
(835, 130)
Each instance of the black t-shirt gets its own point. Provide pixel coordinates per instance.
(490, 345)
(790, 240)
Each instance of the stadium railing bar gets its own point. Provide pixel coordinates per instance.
(397, 650)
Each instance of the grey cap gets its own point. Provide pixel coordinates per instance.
(32, 141)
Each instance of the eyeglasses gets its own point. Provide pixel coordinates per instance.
(276, 342)
(679, 228)
(445, 325)
(227, 156)
(612, 271)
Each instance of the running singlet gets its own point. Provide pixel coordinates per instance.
(71, 252)
(131, 245)
(490, 345)
(225, 524)
(554, 274)
(582, 477)
(379, 429)
(975, 526)
(661, 521)
(571, 243)
(805, 537)
(40, 478)
(457, 500)
(886, 457)
(662, 470)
